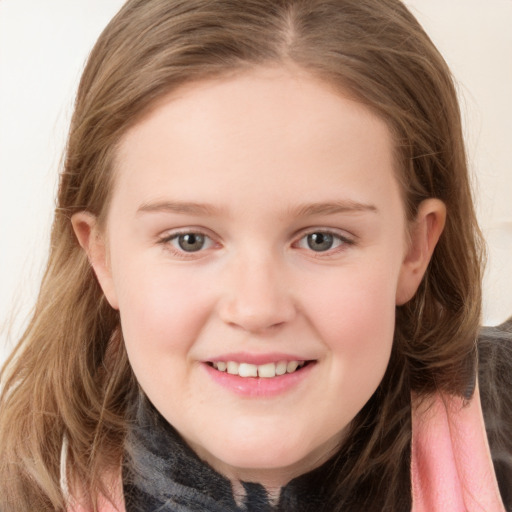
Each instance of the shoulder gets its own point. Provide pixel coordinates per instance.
(495, 382)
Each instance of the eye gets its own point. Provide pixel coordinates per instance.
(189, 242)
(322, 241)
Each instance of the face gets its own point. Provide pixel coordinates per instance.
(256, 249)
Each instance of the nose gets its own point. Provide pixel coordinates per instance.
(257, 295)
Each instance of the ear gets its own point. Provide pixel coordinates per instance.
(94, 244)
(424, 235)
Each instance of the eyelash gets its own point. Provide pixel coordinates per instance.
(166, 241)
(343, 243)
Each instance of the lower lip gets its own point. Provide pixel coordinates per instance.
(259, 386)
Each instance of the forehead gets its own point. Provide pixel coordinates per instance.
(266, 130)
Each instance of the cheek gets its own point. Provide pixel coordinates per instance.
(160, 309)
(355, 316)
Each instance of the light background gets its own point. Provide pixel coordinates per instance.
(43, 47)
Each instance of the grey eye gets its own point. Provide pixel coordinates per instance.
(191, 242)
(323, 241)
(320, 241)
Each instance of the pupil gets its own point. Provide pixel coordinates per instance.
(191, 242)
(320, 241)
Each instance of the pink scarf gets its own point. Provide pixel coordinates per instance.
(451, 463)
(451, 469)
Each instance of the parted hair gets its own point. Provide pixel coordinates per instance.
(69, 377)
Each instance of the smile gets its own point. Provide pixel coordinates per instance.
(259, 376)
(266, 371)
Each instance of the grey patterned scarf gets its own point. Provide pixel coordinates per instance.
(161, 473)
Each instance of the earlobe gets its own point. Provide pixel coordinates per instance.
(424, 235)
(93, 243)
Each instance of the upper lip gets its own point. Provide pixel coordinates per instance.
(257, 359)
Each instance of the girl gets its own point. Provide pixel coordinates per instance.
(263, 291)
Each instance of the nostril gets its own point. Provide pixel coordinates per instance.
(257, 317)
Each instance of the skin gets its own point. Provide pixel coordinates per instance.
(259, 148)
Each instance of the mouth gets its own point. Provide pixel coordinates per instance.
(264, 371)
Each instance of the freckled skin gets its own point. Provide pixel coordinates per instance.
(255, 148)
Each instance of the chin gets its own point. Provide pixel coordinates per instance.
(272, 443)
(278, 455)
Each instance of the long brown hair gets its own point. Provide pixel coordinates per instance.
(69, 377)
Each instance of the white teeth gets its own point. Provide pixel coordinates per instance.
(281, 367)
(266, 371)
(232, 367)
(292, 366)
(247, 370)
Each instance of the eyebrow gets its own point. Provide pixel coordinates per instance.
(331, 208)
(183, 207)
